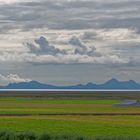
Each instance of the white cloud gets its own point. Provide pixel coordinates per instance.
(13, 1)
(12, 78)
(8, 1)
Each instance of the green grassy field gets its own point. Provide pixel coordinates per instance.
(63, 116)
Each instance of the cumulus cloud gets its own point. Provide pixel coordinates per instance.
(77, 52)
(82, 49)
(13, 78)
(81, 53)
(41, 46)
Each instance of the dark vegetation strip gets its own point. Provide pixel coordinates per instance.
(74, 94)
(6, 135)
(73, 114)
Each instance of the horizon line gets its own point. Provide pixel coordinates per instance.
(72, 90)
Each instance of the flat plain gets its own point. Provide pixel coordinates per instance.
(86, 114)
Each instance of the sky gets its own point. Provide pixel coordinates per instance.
(68, 42)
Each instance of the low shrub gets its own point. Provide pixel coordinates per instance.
(7, 135)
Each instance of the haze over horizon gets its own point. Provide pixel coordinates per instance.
(68, 42)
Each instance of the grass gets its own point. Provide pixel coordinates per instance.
(44, 106)
(54, 101)
(91, 126)
(35, 106)
(88, 126)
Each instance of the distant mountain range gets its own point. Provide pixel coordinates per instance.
(112, 84)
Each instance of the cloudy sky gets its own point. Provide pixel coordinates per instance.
(66, 42)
